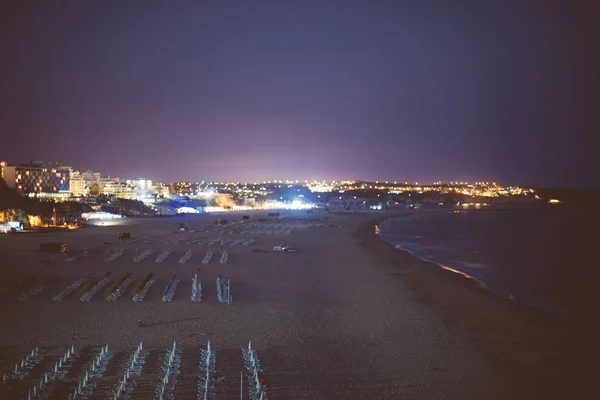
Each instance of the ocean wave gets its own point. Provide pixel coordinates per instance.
(516, 254)
(418, 252)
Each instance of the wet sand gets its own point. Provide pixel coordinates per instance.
(347, 317)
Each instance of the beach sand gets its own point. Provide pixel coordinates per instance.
(347, 317)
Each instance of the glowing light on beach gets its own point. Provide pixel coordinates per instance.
(242, 208)
(35, 221)
(187, 210)
(101, 215)
(212, 209)
(463, 274)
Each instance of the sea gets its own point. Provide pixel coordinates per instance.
(544, 256)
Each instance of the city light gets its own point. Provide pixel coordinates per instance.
(60, 183)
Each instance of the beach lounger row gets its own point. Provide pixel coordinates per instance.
(186, 257)
(163, 256)
(120, 290)
(115, 255)
(142, 256)
(166, 384)
(94, 371)
(207, 257)
(257, 389)
(139, 296)
(224, 290)
(133, 367)
(224, 257)
(87, 296)
(206, 386)
(170, 289)
(34, 291)
(61, 367)
(119, 287)
(69, 289)
(196, 289)
(24, 367)
(91, 377)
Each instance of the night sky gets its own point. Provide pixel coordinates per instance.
(287, 89)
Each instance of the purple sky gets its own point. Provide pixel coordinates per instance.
(253, 90)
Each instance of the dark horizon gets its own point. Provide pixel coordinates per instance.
(240, 91)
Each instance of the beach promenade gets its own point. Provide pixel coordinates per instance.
(337, 320)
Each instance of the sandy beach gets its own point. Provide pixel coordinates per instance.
(346, 317)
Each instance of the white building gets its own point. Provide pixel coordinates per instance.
(119, 189)
(81, 182)
(77, 185)
(141, 184)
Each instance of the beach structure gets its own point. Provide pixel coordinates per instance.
(170, 367)
(93, 371)
(87, 296)
(186, 257)
(170, 289)
(22, 368)
(96, 379)
(162, 256)
(141, 287)
(58, 372)
(224, 257)
(207, 257)
(142, 256)
(206, 384)
(196, 289)
(257, 388)
(61, 367)
(34, 291)
(118, 288)
(115, 255)
(133, 367)
(224, 290)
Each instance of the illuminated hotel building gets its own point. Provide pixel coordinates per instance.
(37, 180)
(77, 185)
(141, 184)
(81, 182)
(119, 189)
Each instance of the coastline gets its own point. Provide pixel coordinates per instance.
(545, 356)
(445, 267)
